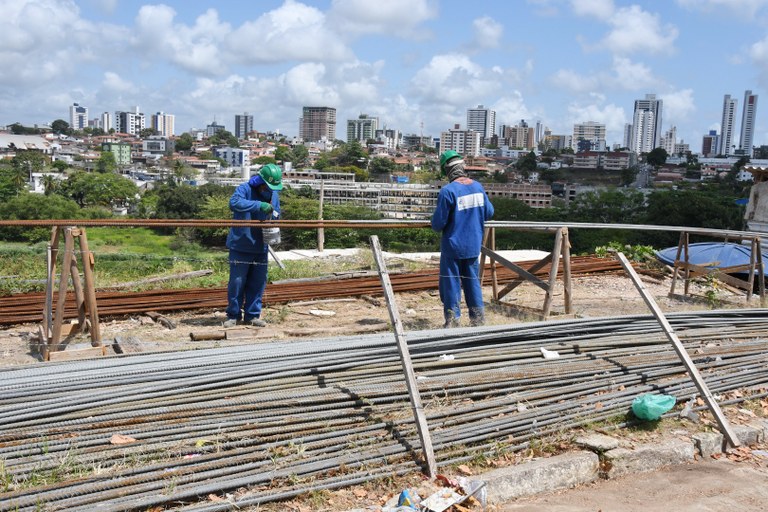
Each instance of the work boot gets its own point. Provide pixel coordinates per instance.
(476, 317)
(450, 322)
(257, 322)
(230, 322)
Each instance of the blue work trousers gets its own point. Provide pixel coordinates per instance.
(247, 282)
(455, 274)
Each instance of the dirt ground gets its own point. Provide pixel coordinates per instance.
(712, 486)
(593, 296)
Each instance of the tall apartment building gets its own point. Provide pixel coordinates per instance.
(317, 123)
(105, 121)
(669, 141)
(243, 125)
(389, 137)
(710, 144)
(591, 132)
(163, 124)
(483, 121)
(465, 142)
(78, 116)
(748, 123)
(362, 128)
(414, 141)
(726, 125)
(129, 122)
(646, 125)
(518, 136)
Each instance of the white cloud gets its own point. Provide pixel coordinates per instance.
(115, 83)
(399, 17)
(453, 79)
(638, 31)
(193, 48)
(511, 108)
(678, 106)
(293, 31)
(624, 74)
(745, 9)
(600, 9)
(487, 32)
(612, 116)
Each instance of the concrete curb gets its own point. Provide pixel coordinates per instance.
(605, 461)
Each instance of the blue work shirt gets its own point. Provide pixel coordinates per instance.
(245, 204)
(462, 209)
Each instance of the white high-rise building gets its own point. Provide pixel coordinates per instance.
(592, 132)
(726, 125)
(646, 124)
(163, 124)
(78, 116)
(483, 121)
(106, 121)
(465, 142)
(748, 123)
(669, 141)
(129, 122)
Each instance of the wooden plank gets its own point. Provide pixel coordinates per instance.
(208, 335)
(675, 271)
(515, 268)
(77, 353)
(714, 408)
(127, 345)
(405, 358)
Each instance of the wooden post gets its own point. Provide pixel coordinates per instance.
(567, 283)
(714, 408)
(760, 272)
(677, 259)
(481, 270)
(86, 257)
(553, 273)
(321, 231)
(58, 319)
(494, 275)
(405, 358)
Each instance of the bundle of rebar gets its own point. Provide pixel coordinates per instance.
(262, 423)
(28, 307)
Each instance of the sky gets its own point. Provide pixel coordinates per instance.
(417, 65)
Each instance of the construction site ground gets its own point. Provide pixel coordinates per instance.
(707, 485)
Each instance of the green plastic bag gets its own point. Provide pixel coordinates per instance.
(651, 407)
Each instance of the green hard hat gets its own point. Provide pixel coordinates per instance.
(446, 157)
(272, 176)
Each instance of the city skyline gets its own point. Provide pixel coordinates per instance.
(417, 66)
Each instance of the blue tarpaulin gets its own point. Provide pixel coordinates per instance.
(711, 255)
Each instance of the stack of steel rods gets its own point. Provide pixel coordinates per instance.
(290, 417)
(28, 307)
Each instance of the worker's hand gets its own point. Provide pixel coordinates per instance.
(266, 207)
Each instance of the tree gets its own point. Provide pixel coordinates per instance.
(263, 160)
(106, 162)
(629, 175)
(50, 184)
(300, 156)
(184, 142)
(99, 189)
(526, 164)
(60, 165)
(147, 132)
(224, 138)
(283, 154)
(60, 126)
(381, 165)
(29, 206)
(657, 157)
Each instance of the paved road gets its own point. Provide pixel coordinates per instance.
(715, 486)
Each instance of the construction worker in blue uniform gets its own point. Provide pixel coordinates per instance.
(257, 199)
(462, 209)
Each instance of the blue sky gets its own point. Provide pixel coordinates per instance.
(412, 63)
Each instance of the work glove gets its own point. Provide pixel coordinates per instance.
(266, 207)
